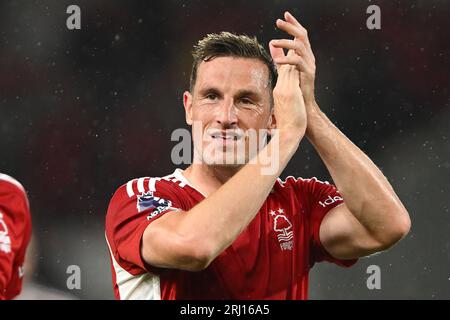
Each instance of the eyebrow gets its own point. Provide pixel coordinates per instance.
(209, 90)
(247, 93)
(239, 94)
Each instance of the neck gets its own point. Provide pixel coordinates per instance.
(208, 179)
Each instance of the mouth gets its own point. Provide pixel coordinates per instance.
(226, 136)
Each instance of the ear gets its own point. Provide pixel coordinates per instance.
(272, 122)
(187, 101)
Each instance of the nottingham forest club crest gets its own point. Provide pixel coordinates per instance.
(147, 201)
(283, 227)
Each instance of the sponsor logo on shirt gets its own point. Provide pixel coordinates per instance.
(330, 200)
(283, 227)
(5, 240)
(147, 201)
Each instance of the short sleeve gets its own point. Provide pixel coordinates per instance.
(133, 207)
(13, 220)
(320, 197)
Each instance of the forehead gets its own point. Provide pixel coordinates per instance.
(231, 73)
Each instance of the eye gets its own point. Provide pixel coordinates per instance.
(246, 101)
(211, 96)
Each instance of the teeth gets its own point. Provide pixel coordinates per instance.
(228, 137)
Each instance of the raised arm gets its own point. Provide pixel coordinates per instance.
(373, 218)
(191, 240)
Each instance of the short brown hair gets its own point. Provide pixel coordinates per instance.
(227, 44)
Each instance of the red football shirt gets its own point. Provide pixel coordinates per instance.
(15, 233)
(270, 259)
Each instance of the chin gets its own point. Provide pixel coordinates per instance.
(230, 167)
(220, 160)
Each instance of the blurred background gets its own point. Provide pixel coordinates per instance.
(83, 111)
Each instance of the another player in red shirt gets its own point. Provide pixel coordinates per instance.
(15, 233)
(221, 230)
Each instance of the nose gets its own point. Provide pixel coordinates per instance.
(226, 114)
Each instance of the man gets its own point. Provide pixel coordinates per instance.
(15, 233)
(227, 231)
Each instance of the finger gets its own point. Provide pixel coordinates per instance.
(290, 18)
(275, 52)
(293, 30)
(297, 61)
(299, 33)
(297, 46)
(287, 75)
(284, 72)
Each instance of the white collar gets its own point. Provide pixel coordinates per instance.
(178, 173)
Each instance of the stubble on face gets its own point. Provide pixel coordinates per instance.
(231, 75)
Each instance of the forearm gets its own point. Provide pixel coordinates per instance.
(219, 219)
(366, 191)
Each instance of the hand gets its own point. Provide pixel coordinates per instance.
(299, 55)
(289, 106)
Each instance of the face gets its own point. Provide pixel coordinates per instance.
(228, 109)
